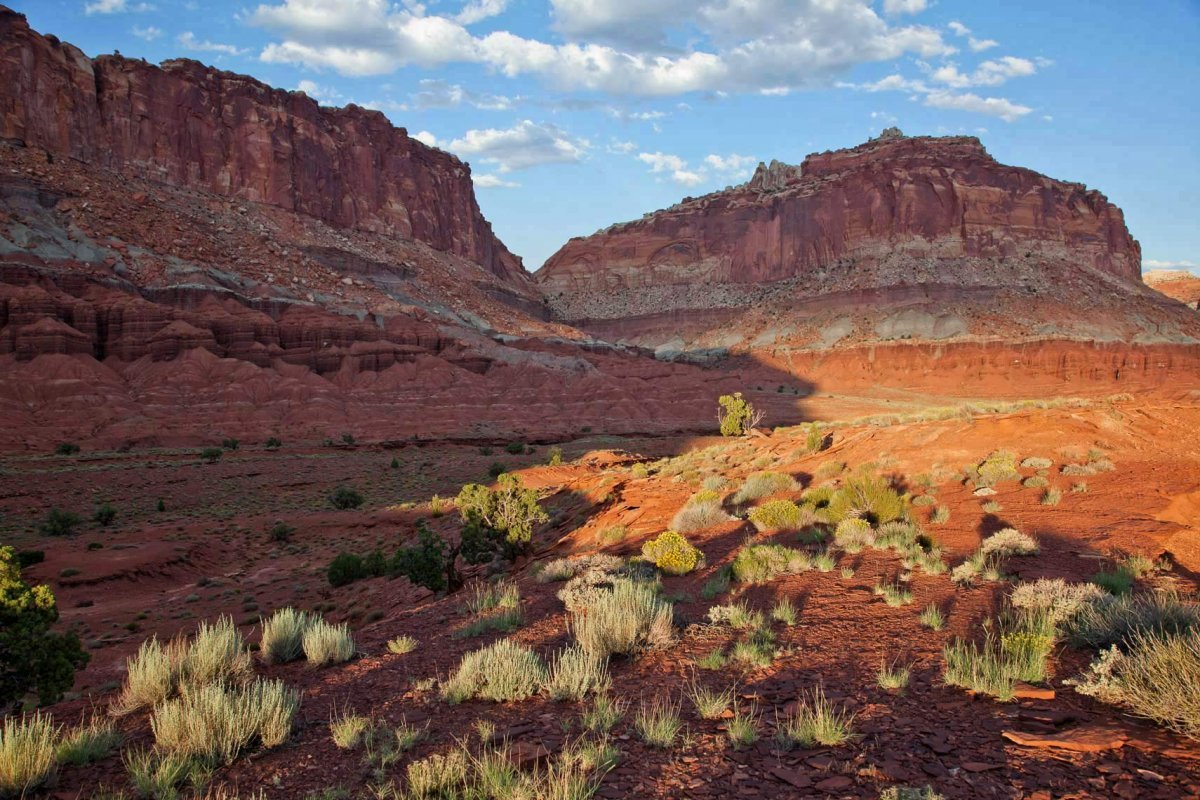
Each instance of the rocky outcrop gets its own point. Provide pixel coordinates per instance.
(896, 211)
(1180, 284)
(190, 125)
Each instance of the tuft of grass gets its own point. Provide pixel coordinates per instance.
(27, 754)
(764, 562)
(815, 721)
(574, 673)
(940, 514)
(783, 611)
(505, 621)
(1079, 487)
(325, 644)
(402, 645)
(715, 660)
(604, 713)
(893, 594)
(283, 635)
(156, 775)
(893, 677)
(756, 650)
(88, 743)
(347, 729)
(699, 516)
(761, 484)
(1112, 621)
(215, 723)
(847, 572)
(629, 617)
(742, 728)
(504, 671)
(709, 703)
(980, 669)
(992, 507)
(933, 618)
(485, 597)
(718, 584)
(1051, 497)
(658, 723)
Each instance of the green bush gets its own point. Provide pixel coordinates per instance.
(104, 515)
(88, 743)
(66, 449)
(273, 443)
(345, 568)
(212, 454)
(428, 563)
(515, 448)
(763, 562)
(736, 415)
(281, 531)
(1000, 465)
(345, 498)
(503, 517)
(60, 523)
(781, 515)
(230, 444)
(672, 553)
(32, 656)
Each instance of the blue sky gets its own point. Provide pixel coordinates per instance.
(575, 114)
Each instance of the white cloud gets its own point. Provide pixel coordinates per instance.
(623, 148)
(903, 6)
(989, 73)
(976, 45)
(732, 167)
(1151, 263)
(478, 10)
(114, 7)
(673, 167)
(625, 115)
(190, 42)
(613, 46)
(442, 94)
(425, 137)
(149, 33)
(318, 92)
(494, 182)
(526, 144)
(993, 106)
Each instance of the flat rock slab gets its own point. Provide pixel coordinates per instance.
(1023, 691)
(1084, 739)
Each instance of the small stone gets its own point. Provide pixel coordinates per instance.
(1024, 691)
(1084, 739)
(792, 777)
(834, 784)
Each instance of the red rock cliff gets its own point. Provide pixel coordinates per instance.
(931, 200)
(194, 126)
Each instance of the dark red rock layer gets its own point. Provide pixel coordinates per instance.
(190, 125)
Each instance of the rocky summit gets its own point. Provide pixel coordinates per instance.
(901, 237)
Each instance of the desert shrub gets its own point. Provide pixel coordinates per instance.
(217, 722)
(784, 611)
(489, 596)
(347, 728)
(698, 516)
(999, 466)
(853, 534)
(216, 653)
(503, 517)
(1008, 542)
(1110, 620)
(555, 456)
(283, 635)
(814, 722)
(924, 500)
(496, 469)
(59, 523)
(940, 515)
(27, 754)
(1036, 462)
(658, 723)
(735, 615)
(909, 793)
(515, 448)
(1060, 600)
(66, 449)
(1154, 678)
(348, 439)
(761, 484)
(212, 454)
(345, 568)
(736, 415)
(981, 669)
(575, 673)
(157, 775)
(431, 562)
(230, 444)
(33, 657)
(814, 439)
(345, 498)
(401, 645)
(622, 619)
(781, 515)
(763, 562)
(105, 515)
(88, 743)
(1035, 482)
(868, 497)
(273, 443)
(280, 531)
(992, 507)
(672, 553)
(1051, 497)
(439, 775)
(327, 644)
(151, 674)
(502, 672)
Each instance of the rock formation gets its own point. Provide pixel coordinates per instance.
(898, 222)
(190, 125)
(1180, 284)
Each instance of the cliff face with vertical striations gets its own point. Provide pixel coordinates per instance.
(881, 218)
(189, 125)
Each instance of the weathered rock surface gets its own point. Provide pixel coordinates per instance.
(1176, 283)
(904, 237)
(190, 125)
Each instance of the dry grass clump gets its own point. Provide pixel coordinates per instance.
(1008, 542)
(868, 497)
(1018, 653)
(1055, 597)
(215, 723)
(763, 562)
(283, 635)
(761, 484)
(893, 593)
(502, 672)
(701, 515)
(629, 616)
(1000, 465)
(347, 729)
(402, 645)
(327, 644)
(782, 515)
(1111, 620)
(1154, 678)
(710, 703)
(853, 534)
(88, 743)
(1036, 462)
(27, 754)
(658, 723)
(575, 673)
(815, 722)
(563, 569)
(217, 653)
